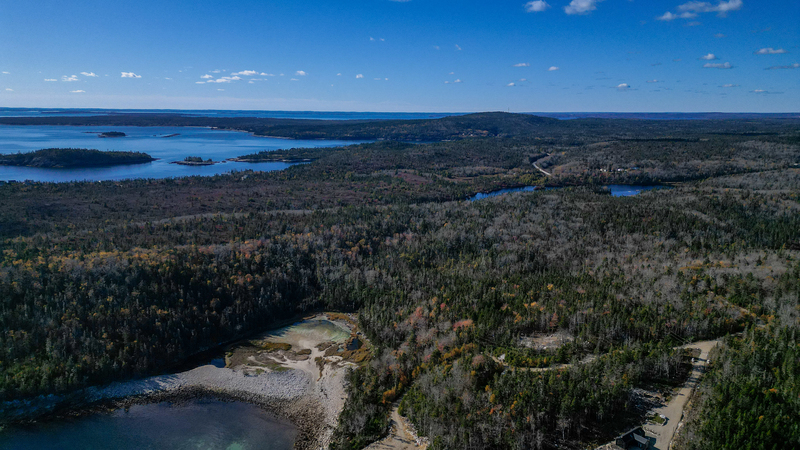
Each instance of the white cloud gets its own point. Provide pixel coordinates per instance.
(166, 78)
(213, 71)
(719, 36)
(50, 79)
(793, 66)
(359, 76)
(69, 78)
(553, 69)
(522, 65)
(709, 57)
(652, 81)
(692, 9)
(220, 89)
(9, 90)
(722, 7)
(726, 65)
(79, 91)
(225, 79)
(668, 16)
(510, 84)
(207, 77)
(730, 85)
(623, 87)
(300, 73)
(458, 47)
(130, 75)
(458, 80)
(436, 47)
(371, 38)
(581, 6)
(339, 74)
(88, 74)
(263, 74)
(293, 79)
(771, 51)
(5, 73)
(536, 6)
(199, 82)
(248, 73)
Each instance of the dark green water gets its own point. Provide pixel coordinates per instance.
(199, 424)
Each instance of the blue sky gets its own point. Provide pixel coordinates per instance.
(415, 55)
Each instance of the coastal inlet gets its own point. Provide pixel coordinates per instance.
(279, 390)
(165, 144)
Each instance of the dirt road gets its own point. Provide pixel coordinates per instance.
(674, 410)
(400, 437)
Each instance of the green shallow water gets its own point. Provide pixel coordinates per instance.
(199, 424)
(301, 335)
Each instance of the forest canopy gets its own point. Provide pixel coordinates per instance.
(114, 280)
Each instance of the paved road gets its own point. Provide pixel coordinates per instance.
(542, 170)
(674, 410)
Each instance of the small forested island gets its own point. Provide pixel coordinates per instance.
(195, 161)
(73, 158)
(112, 134)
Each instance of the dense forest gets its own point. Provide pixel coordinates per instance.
(73, 157)
(751, 399)
(112, 280)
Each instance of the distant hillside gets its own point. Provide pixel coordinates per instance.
(73, 157)
(490, 124)
(493, 124)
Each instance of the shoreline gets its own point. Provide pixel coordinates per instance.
(309, 395)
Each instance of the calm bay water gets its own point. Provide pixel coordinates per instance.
(199, 424)
(206, 143)
(310, 115)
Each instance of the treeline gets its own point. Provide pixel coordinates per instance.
(73, 157)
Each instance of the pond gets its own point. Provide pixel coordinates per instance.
(617, 190)
(197, 424)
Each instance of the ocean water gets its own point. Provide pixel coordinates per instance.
(345, 115)
(204, 142)
(317, 115)
(198, 424)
